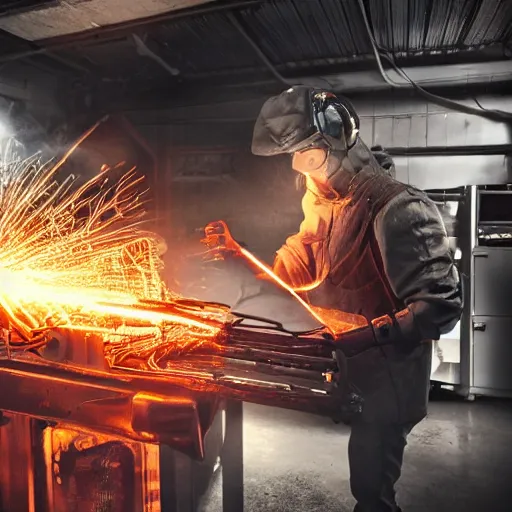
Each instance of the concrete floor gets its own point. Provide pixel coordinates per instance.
(458, 459)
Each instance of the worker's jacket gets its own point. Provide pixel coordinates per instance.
(378, 246)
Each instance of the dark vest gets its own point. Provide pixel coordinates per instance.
(356, 282)
(345, 255)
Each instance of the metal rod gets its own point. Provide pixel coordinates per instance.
(445, 197)
(257, 49)
(68, 62)
(474, 200)
(495, 192)
(498, 149)
(145, 51)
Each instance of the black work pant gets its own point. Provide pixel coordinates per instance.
(375, 454)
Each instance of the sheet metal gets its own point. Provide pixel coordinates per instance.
(68, 17)
(297, 30)
(204, 43)
(492, 20)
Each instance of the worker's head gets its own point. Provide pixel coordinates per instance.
(315, 126)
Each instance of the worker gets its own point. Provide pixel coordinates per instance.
(374, 247)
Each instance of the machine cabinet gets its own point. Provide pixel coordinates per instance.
(493, 281)
(492, 354)
(476, 358)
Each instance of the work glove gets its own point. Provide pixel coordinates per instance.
(399, 329)
(351, 407)
(351, 403)
(219, 241)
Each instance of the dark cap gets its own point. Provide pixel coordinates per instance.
(303, 117)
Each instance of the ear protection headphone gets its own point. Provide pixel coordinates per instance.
(335, 119)
(351, 131)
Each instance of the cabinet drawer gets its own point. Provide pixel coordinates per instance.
(492, 356)
(493, 282)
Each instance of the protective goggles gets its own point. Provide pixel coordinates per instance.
(329, 118)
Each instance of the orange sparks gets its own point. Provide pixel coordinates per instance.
(76, 257)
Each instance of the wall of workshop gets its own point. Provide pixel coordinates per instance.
(256, 196)
(207, 172)
(30, 108)
(399, 121)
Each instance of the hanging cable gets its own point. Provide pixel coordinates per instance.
(493, 115)
(486, 109)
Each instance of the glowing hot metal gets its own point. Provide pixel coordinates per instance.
(75, 257)
(76, 267)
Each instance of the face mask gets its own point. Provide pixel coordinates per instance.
(310, 160)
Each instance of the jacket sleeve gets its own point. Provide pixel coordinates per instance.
(416, 256)
(293, 263)
(299, 258)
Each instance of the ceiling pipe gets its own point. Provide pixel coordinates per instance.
(259, 52)
(313, 81)
(493, 115)
(498, 149)
(144, 51)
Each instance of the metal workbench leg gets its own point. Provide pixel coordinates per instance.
(176, 481)
(232, 459)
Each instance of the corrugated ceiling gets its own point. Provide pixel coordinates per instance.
(297, 30)
(492, 21)
(205, 43)
(293, 32)
(305, 30)
(299, 34)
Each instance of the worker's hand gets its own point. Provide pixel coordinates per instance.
(350, 402)
(219, 241)
(351, 407)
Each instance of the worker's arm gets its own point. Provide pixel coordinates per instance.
(299, 258)
(415, 252)
(293, 262)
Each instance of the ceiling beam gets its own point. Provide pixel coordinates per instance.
(426, 76)
(31, 51)
(144, 49)
(103, 34)
(195, 100)
(125, 29)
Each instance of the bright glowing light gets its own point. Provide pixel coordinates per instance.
(307, 287)
(76, 257)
